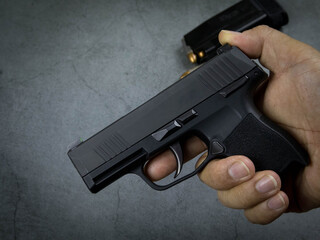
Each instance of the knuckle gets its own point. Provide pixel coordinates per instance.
(240, 158)
(258, 217)
(234, 199)
(209, 175)
(201, 177)
(223, 198)
(249, 217)
(261, 31)
(244, 199)
(263, 28)
(252, 216)
(213, 171)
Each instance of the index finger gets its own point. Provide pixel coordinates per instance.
(165, 163)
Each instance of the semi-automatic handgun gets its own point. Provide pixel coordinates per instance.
(202, 42)
(214, 103)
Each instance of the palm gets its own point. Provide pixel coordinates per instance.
(291, 99)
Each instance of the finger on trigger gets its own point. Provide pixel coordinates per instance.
(160, 166)
(165, 163)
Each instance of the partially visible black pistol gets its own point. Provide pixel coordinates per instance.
(202, 42)
(215, 103)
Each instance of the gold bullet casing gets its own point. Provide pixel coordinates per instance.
(192, 57)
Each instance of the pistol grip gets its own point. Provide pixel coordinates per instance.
(266, 144)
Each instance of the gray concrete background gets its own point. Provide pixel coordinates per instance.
(68, 69)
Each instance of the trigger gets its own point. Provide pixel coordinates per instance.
(177, 150)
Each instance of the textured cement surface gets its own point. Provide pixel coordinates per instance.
(70, 68)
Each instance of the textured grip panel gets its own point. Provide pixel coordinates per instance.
(268, 149)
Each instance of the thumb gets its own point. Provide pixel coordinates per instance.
(276, 51)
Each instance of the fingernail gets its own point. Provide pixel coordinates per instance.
(226, 36)
(276, 203)
(266, 184)
(230, 32)
(238, 170)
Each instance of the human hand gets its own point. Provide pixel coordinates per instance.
(292, 100)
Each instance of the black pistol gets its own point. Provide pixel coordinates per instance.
(214, 103)
(202, 42)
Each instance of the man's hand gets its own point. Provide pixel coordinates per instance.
(292, 100)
